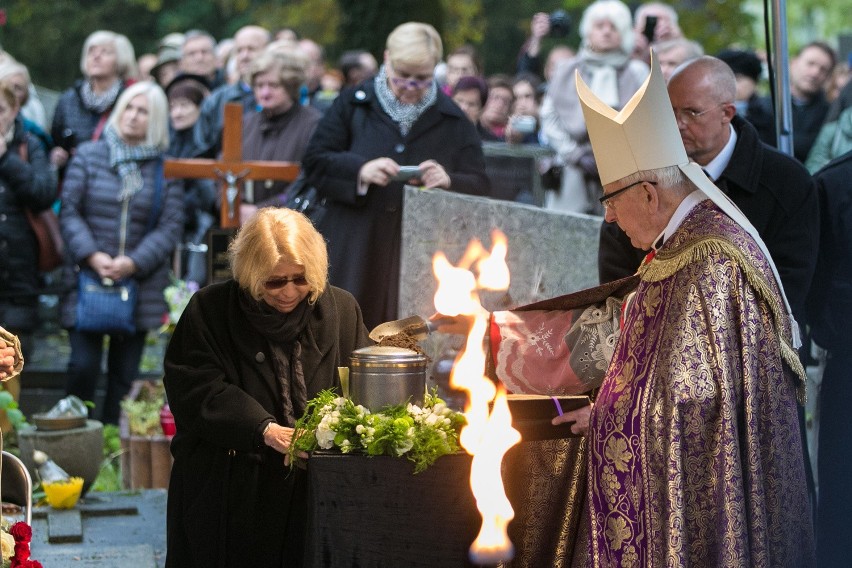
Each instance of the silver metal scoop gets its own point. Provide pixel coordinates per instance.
(413, 326)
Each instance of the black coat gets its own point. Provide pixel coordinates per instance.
(364, 232)
(775, 192)
(73, 122)
(830, 301)
(23, 184)
(232, 502)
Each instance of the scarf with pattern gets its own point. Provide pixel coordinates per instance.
(125, 159)
(99, 103)
(402, 113)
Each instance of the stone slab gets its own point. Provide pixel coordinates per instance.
(64, 526)
(107, 538)
(136, 556)
(549, 253)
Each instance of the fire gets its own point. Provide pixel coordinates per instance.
(489, 433)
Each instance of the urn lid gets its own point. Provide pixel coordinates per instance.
(385, 355)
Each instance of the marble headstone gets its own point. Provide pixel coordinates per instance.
(549, 253)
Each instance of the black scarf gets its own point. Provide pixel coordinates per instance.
(287, 334)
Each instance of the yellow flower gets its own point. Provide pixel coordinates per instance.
(7, 544)
(617, 532)
(616, 451)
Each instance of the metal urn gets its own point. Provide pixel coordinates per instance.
(386, 376)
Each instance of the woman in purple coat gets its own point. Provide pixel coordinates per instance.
(399, 118)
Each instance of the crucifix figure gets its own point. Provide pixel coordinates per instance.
(231, 168)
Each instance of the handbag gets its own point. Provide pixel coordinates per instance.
(45, 226)
(304, 198)
(104, 306)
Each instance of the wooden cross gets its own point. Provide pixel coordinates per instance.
(231, 168)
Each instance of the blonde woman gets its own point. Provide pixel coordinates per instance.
(246, 356)
(400, 118)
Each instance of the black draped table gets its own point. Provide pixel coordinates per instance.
(374, 512)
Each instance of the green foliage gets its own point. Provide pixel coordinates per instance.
(143, 413)
(109, 477)
(422, 434)
(10, 406)
(464, 23)
(366, 24)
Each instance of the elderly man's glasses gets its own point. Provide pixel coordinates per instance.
(688, 115)
(605, 200)
(278, 283)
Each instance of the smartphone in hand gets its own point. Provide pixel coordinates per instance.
(406, 173)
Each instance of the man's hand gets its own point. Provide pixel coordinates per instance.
(580, 417)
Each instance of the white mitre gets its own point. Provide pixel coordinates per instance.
(644, 136)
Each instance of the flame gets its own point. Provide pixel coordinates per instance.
(488, 434)
(492, 545)
(493, 270)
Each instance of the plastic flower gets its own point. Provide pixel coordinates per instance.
(177, 296)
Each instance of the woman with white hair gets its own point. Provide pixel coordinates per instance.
(605, 65)
(120, 221)
(107, 63)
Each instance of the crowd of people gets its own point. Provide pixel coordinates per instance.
(362, 129)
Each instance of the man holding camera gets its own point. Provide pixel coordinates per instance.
(653, 22)
(556, 25)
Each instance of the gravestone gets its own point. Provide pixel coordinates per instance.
(513, 170)
(550, 253)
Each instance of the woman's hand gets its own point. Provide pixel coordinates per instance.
(122, 267)
(100, 263)
(279, 438)
(511, 135)
(378, 172)
(247, 211)
(580, 417)
(59, 157)
(433, 174)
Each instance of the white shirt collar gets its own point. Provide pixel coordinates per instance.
(718, 164)
(688, 203)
